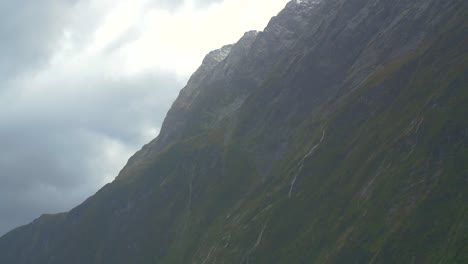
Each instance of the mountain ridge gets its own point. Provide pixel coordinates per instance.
(337, 134)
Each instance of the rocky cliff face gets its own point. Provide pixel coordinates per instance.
(336, 135)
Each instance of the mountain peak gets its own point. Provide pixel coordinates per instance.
(218, 55)
(333, 136)
(303, 3)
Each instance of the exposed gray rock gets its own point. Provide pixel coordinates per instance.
(327, 138)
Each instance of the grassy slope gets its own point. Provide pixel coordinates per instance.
(388, 184)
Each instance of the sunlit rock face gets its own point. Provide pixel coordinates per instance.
(336, 135)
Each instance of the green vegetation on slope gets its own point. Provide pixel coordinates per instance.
(309, 168)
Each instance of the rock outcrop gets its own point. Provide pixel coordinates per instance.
(336, 135)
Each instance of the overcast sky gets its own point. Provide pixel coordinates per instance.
(84, 84)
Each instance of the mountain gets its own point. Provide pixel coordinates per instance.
(339, 134)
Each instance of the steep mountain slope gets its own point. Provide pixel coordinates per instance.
(336, 135)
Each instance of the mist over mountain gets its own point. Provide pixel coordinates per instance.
(336, 135)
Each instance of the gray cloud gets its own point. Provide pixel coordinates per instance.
(75, 101)
(63, 137)
(28, 29)
(53, 152)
